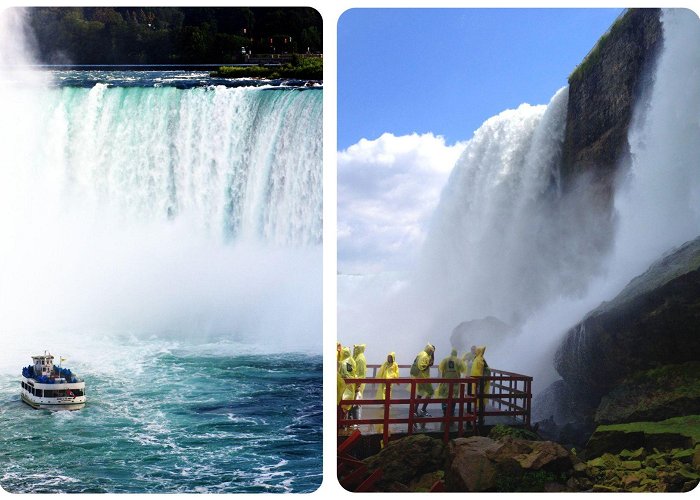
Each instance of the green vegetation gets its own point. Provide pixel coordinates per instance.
(499, 431)
(302, 68)
(685, 426)
(168, 35)
(594, 55)
(643, 471)
(530, 481)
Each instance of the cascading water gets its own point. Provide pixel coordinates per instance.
(658, 201)
(487, 252)
(162, 230)
(505, 242)
(124, 200)
(656, 209)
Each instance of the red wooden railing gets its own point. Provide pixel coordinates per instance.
(510, 395)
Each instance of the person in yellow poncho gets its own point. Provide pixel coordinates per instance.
(347, 370)
(389, 369)
(340, 383)
(358, 354)
(452, 367)
(421, 369)
(480, 369)
(468, 358)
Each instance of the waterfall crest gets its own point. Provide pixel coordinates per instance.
(159, 211)
(239, 162)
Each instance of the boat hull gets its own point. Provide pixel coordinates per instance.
(54, 396)
(74, 405)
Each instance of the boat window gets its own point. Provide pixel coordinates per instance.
(49, 393)
(33, 393)
(40, 393)
(77, 392)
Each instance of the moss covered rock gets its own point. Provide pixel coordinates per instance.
(406, 459)
(501, 431)
(679, 433)
(658, 471)
(657, 394)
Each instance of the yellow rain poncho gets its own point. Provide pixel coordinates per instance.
(451, 367)
(340, 383)
(479, 367)
(389, 369)
(358, 354)
(421, 369)
(347, 370)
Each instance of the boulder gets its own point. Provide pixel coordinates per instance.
(532, 455)
(509, 464)
(469, 468)
(405, 459)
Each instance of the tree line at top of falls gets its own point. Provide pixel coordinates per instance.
(170, 35)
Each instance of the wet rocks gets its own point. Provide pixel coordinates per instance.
(652, 323)
(673, 433)
(654, 471)
(509, 464)
(406, 460)
(469, 468)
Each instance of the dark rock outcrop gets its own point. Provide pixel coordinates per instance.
(602, 93)
(658, 394)
(653, 322)
(557, 404)
(488, 330)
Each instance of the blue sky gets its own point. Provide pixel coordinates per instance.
(446, 71)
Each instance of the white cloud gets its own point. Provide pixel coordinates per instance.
(387, 191)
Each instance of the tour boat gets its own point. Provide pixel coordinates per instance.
(45, 386)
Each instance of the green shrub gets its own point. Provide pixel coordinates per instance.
(302, 68)
(499, 431)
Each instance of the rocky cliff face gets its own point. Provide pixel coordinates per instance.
(653, 322)
(602, 93)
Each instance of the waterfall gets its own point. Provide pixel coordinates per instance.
(658, 200)
(505, 242)
(147, 208)
(501, 243)
(232, 159)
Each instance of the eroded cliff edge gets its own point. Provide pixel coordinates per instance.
(602, 92)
